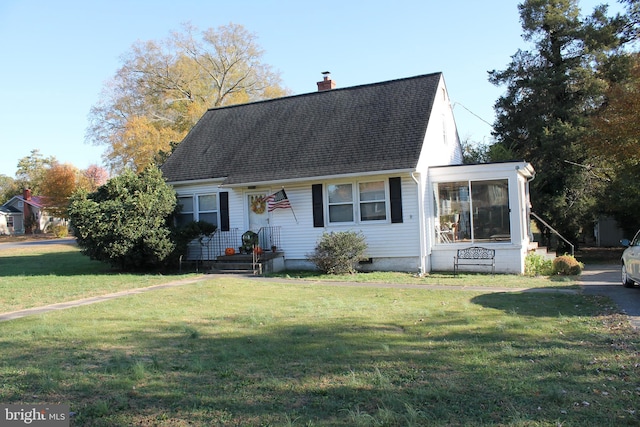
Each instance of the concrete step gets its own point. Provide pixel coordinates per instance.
(244, 263)
(544, 252)
(233, 267)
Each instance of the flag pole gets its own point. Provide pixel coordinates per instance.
(292, 211)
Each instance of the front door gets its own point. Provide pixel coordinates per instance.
(257, 208)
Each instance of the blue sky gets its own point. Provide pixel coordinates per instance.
(57, 55)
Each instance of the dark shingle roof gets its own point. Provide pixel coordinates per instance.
(9, 209)
(375, 127)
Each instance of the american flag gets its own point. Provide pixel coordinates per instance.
(278, 200)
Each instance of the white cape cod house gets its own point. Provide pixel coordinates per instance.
(383, 159)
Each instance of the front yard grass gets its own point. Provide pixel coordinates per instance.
(236, 351)
(510, 281)
(33, 276)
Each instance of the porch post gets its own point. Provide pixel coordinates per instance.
(423, 265)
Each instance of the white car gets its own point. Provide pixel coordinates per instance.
(631, 261)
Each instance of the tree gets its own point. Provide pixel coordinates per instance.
(615, 130)
(164, 87)
(614, 139)
(632, 29)
(93, 177)
(31, 170)
(474, 153)
(550, 93)
(59, 182)
(126, 222)
(8, 188)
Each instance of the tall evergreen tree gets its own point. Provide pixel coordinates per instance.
(550, 92)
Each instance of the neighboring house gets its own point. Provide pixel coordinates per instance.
(383, 159)
(25, 214)
(608, 233)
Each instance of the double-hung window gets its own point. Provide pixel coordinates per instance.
(186, 213)
(208, 208)
(201, 207)
(366, 201)
(373, 201)
(340, 202)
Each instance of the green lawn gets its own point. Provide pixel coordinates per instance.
(36, 276)
(236, 352)
(510, 281)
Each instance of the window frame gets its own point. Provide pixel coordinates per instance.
(331, 204)
(183, 213)
(195, 203)
(445, 234)
(215, 211)
(386, 200)
(357, 202)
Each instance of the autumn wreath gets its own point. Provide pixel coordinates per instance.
(259, 205)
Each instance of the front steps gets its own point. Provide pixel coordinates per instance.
(268, 262)
(543, 251)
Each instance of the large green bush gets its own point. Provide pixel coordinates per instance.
(339, 252)
(190, 231)
(126, 222)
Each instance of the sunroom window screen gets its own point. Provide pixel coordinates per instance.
(473, 211)
(490, 210)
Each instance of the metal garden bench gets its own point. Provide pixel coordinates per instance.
(475, 255)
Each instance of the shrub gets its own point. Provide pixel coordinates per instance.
(538, 265)
(125, 222)
(567, 265)
(339, 252)
(192, 230)
(60, 230)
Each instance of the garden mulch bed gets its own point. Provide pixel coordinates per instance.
(599, 255)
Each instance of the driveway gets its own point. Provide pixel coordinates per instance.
(38, 242)
(605, 280)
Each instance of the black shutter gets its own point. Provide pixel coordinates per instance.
(318, 209)
(395, 196)
(224, 211)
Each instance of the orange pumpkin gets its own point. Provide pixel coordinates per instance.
(229, 251)
(258, 250)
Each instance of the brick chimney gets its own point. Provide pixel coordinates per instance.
(26, 194)
(326, 83)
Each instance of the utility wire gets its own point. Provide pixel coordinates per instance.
(480, 118)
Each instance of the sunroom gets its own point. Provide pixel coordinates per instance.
(484, 205)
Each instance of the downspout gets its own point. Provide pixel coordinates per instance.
(527, 218)
(529, 207)
(422, 269)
